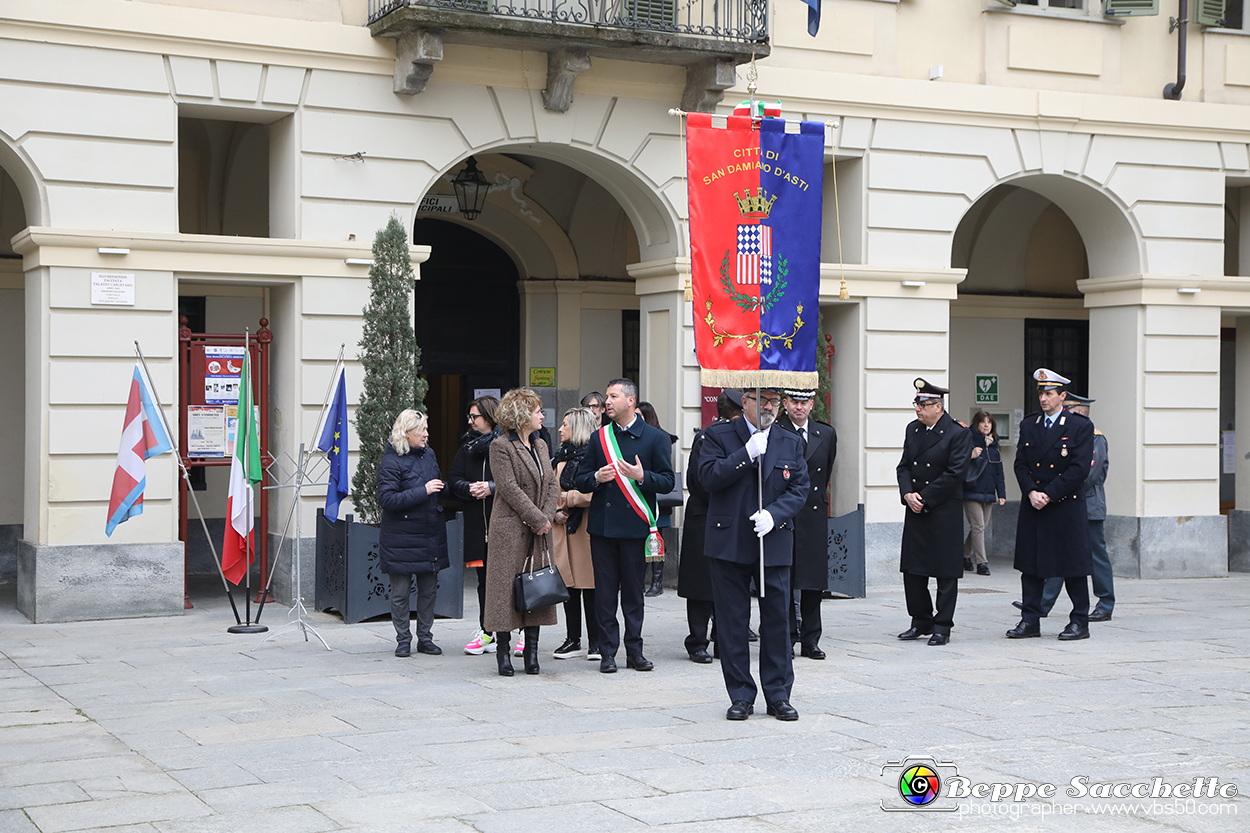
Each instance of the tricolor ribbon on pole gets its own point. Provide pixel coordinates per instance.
(755, 188)
(654, 547)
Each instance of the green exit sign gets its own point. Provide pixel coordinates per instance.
(987, 388)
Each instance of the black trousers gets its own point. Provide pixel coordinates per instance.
(1031, 588)
(731, 586)
(698, 617)
(920, 603)
(619, 564)
(579, 598)
(805, 626)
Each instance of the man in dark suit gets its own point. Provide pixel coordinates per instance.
(810, 578)
(617, 532)
(734, 455)
(1053, 456)
(936, 453)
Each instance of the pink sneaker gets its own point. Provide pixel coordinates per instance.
(483, 643)
(519, 650)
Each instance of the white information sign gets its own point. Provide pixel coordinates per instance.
(206, 430)
(1229, 439)
(478, 393)
(113, 288)
(223, 367)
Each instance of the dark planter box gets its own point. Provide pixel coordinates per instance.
(350, 581)
(846, 554)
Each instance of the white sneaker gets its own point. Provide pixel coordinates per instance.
(519, 650)
(483, 643)
(592, 653)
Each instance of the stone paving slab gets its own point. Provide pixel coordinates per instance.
(175, 726)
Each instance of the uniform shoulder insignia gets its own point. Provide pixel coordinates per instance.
(1096, 431)
(961, 423)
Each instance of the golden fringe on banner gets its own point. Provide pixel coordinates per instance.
(743, 379)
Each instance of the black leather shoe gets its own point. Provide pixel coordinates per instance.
(967, 565)
(1074, 631)
(639, 663)
(939, 639)
(740, 710)
(782, 710)
(812, 652)
(914, 633)
(1024, 630)
(1020, 606)
(428, 648)
(403, 649)
(983, 569)
(607, 665)
(701, 656)
(1100, 616)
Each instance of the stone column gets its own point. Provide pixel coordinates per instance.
(670, 372)
(1154, 369)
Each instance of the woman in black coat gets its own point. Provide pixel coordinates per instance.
(980, 494)
(413, 538)
(471, 481)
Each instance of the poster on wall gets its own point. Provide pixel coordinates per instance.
(223, 365)
(206, 431)
(232, 424)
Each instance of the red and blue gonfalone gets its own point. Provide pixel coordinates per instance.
(755, 188)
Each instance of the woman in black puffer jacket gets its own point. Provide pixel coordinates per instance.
(413, 539)
(980, 494)
(471, 481)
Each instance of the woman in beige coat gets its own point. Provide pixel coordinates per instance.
(520, 523)
(572, 540)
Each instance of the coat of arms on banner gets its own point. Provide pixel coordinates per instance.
(761, 281)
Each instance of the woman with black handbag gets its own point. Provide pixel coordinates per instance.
(520, 523)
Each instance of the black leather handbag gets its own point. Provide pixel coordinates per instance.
(537, 589)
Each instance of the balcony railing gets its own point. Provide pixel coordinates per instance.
(741, 21)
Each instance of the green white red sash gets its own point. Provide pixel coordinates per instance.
(655, 544)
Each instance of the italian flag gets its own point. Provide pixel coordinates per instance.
(237, 549)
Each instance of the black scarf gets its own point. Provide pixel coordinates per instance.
(571, 456)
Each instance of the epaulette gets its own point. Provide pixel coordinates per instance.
(961, 423)
(1096, 431)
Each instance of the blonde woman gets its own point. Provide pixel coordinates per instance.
(520, 524)
(413, 538)
(571, 538)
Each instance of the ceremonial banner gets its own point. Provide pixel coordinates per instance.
(755, 218)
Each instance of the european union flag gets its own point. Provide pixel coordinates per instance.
(333, 442)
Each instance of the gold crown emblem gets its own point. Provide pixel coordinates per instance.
(755, 207)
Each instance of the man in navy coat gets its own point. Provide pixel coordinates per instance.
(617, 532)
(1053, 456)
(734, 456)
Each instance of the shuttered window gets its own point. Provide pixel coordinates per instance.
(1210, 12)
(1129, 8)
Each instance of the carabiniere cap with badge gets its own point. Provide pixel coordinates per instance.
(927, 391)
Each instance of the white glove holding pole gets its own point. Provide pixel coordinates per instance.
(763, 522)
(757, 444)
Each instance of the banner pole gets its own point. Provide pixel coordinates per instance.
(325, 400)
(759, 491)
(186, 475)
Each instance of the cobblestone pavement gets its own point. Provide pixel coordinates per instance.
(175, 725)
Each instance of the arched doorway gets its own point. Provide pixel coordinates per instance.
(467, 323)
(13, 219)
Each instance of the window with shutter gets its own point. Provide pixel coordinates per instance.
(651, 14)
(1209, 12)
(1128, 8)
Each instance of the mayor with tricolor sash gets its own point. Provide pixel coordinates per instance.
(627, 463)
(755, 218)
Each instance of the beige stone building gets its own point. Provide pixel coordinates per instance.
(1014, 188)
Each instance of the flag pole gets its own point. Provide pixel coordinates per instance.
(325, 401)
(759, 491)
(249, 626)
(186, 475)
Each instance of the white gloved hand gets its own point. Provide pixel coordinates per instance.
(763, 522)
(757, 444)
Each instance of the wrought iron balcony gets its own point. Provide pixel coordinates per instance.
(709, 37)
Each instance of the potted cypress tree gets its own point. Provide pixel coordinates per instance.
(348, 577)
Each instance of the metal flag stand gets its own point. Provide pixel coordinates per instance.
(249, 626)
(297, 480)
(186, 475)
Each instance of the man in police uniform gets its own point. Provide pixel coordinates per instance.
(1053, 456)
(734, 456)
(810, 578)
(1096, 510)
(936, 454)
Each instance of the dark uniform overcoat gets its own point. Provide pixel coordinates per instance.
(694, 578)
(933, 465)
(1054, 541)
(811, 524)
